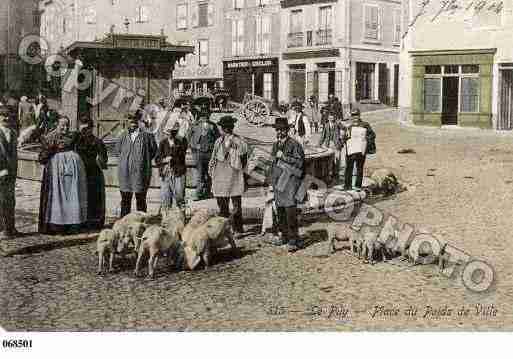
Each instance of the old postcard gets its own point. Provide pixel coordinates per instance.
(255, 165)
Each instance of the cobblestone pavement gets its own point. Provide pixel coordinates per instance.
(459, 186)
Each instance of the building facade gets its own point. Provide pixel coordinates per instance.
(457, 64)
(127, 47)
(18, 18)
(199, 24)
(252, 48)
(349, 48)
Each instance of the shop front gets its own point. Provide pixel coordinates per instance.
(257, 76)
(453, 87)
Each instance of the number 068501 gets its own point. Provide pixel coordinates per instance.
(17, 343)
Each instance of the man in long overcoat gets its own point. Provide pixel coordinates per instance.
(8, 172)
(330, 138)
(287, 172)
(136, 149)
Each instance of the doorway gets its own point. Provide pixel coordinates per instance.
(383, 84)
(297, 82)
(396, 86)
(364, 81)
(505, 120)
(450, 91)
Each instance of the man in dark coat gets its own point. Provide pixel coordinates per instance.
(330, 138)
(204, 134)
(136, 149)
(172, 167)
(287, 172)
(8, 172)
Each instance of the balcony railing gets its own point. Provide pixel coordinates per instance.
(320, 37)
(295, 39)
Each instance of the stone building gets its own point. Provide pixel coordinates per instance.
(346, 47)
(251, 48)
(457, 64)
(126, 49)
(18, 18)
(198, 24)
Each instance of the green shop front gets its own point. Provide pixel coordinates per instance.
(452, 87)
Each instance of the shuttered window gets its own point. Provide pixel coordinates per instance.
(263, 34)
(237, 37)
(203, 52)
(203, 14)
(181, 16)
(372, 22)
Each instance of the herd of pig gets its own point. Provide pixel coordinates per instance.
(185, 246)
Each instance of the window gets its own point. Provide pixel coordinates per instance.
(469, 94)
(203, 52)
(470, 69)
(263, 34)
(324, 31)
(372, 22)
(263, 2)
(268, 86)
(451, 69)
(143, 14)
(296, 23)
(433, 70)
(238, 4)
(432, 88)
(397, 26)
(237, 37)
(181, 16)
(36, 18)
(203, 14)
(90, 15)
(64, 25)
(325, 17)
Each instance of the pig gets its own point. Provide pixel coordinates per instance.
(106, 245)
(203, 242)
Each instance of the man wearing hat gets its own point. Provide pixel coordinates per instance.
(301, 129)
(357, 136)
(8, 172)
(287, 172)
(204, 134)
(136, 149)
(170, 160)
(226, 168)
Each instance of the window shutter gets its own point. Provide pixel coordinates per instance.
(266, 25)
(259, 33)
(240, 36)
(210, 14)
(234, 37)
(380, 23)
(194, 14)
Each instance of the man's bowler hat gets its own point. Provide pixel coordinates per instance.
(227, 122)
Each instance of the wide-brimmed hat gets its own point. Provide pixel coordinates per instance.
(281, 123)
(4, 111)
(174, 128)
(227, 122)
(355, 112)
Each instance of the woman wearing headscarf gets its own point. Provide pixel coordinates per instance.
(226, 167)
(63, 200)
(93, 153)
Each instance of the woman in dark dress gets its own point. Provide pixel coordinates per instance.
(63, 201)
(93, 152)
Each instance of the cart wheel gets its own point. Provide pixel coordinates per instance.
(256, 112)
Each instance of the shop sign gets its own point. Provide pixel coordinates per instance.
(249, 64)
